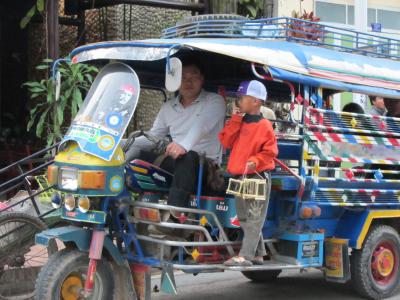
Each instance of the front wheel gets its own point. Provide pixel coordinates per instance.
(262, 276)
(375, 268)
(63, 277)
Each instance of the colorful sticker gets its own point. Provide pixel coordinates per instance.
(116, 183)
(86, 133)
(114, 120)
(127, 92)
(106, 142)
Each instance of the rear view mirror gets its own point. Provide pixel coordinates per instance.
(173, 74)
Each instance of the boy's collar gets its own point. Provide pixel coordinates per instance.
(252, 118)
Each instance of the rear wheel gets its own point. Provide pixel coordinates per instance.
(20, 259)
(375, 268)
(262, 276)
(63, 278)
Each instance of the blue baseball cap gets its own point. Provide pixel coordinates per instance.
(253, 88)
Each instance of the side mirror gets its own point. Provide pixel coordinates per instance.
(173, 74)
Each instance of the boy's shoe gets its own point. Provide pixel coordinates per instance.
(258, 260)
(238, 261)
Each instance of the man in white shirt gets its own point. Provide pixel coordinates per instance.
(193, 120)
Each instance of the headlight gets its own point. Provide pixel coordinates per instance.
(69, 202)
(69, 179)
(56, 200)
(83, 204)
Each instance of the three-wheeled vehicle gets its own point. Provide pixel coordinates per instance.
(335, 200)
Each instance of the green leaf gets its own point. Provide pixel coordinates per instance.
(48, 60)
(42, 67)
(77, 95)
(60, 114)
(32, 84)
(30, 123)
(252, 10)
(39, 127)
(40, 5)
(25, 20)
(37, 89)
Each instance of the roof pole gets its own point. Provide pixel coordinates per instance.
(361, 15)
(52, 29)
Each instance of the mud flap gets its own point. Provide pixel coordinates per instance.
(337, 262)
(142, 280)
(168, 280)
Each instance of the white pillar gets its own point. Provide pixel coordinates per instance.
(361, 15)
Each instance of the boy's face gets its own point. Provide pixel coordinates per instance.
(248, 104)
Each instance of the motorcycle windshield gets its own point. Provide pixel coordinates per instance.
(106, 112)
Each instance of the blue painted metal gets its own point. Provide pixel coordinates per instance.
(350, 225)
(80, 237)
(303, 240)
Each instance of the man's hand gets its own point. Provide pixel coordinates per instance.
(251, 165)
(175, 150)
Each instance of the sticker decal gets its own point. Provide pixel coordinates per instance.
(114, 120)
(106, 142)
(116, 184)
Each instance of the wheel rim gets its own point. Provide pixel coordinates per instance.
(71, 287)
(384, 263)
(73, 284)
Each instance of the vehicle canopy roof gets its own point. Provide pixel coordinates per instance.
(304, 64)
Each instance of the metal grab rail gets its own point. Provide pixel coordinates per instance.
(300, 192)
(290, 29)
(190, 210)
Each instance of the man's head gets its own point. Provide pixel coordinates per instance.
(192, 79)
(252, 94)
(378, 102)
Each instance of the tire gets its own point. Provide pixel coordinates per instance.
(69, 266)
(211, 17)
(262, 276)
(375, 268)
(20, 259)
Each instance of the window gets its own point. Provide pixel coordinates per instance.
(388, 18)
(335, 13)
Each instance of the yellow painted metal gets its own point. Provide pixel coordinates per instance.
(72, 154)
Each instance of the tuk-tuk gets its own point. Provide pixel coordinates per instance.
(332, 204)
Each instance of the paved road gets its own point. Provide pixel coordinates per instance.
(234, 286)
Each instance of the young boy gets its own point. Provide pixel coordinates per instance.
(253, 147)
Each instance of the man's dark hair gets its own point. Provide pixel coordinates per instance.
(373, 99)
(192, 61)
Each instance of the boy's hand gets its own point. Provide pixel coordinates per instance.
(251, 165)
(236, 110)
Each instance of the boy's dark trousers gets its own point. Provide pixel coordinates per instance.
(252, 215)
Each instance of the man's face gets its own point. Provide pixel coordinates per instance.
(192, 82)
(379, 102)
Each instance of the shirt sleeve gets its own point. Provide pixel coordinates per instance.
(210, 116)
(160, 128)
(269, 148)
(230, 132)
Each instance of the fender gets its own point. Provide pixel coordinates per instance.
(80, 237)
(354, 225)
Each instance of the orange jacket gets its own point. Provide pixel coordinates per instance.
(251, 138)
